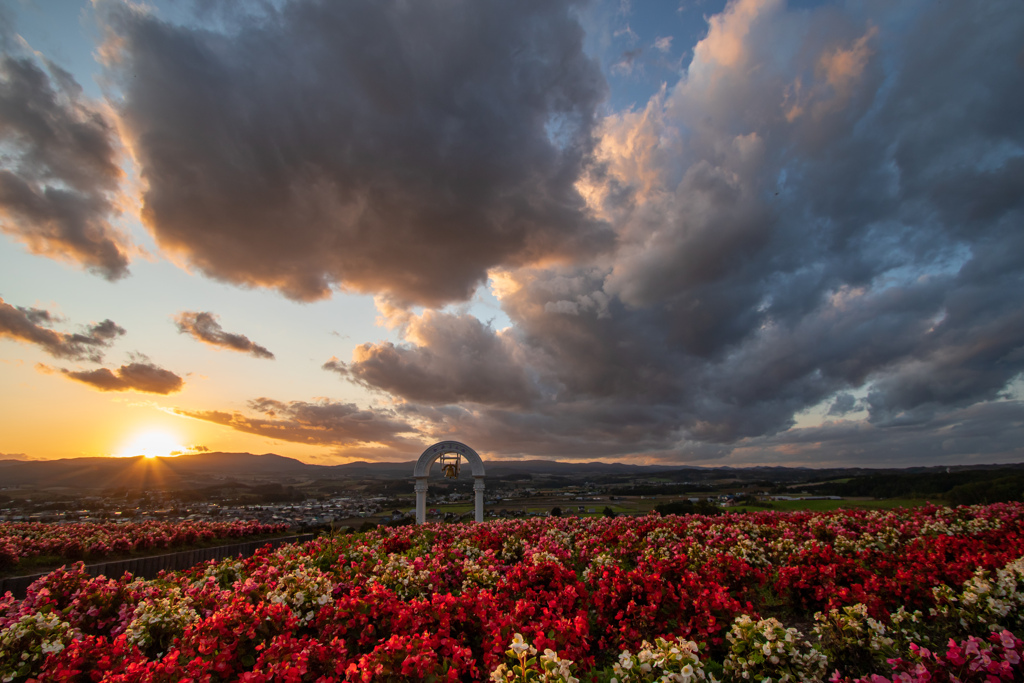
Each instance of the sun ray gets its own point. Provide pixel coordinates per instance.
(152, 444)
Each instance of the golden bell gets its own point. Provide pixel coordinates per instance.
(450, 465)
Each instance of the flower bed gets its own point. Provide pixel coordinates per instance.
(910, 595)
(20, 541)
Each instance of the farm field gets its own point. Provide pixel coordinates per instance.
(908, 594)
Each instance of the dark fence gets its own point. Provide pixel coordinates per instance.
(150, 567)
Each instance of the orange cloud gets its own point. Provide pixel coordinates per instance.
(137, 376)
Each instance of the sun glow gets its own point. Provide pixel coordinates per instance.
(152, 445)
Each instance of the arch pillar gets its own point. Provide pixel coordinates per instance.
(421, 500)
(478, 492)
(422, 470)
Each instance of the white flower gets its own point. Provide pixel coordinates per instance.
(519, 646)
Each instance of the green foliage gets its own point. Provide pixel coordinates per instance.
(685, 507)
(855, 643)
(527, 668)
(771, 652)
(972, 486)
(1001, 490)
(664, 660)
(28, 640)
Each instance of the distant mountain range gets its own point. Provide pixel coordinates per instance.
(203, 469)
(197, 470)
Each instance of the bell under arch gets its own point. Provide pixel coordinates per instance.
(440, 450)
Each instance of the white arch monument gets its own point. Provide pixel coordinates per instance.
(422, 471)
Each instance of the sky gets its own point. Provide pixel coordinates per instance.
(696, 233)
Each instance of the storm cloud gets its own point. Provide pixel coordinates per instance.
(139, 375)
(397, 148)
(204, 327)
(59, 174)
(978, 434)
(806, 247)
(797, 222)
(458, 359)
(32, 325)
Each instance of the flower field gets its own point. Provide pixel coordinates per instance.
(88, 541)
(930, 594)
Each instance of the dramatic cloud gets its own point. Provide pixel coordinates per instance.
(980, 434)
(458, 359)
(829, 201)
(580, 430)
(324, 423)
(137, 376)
(32, 325)
(204, 327)
(386, 147)
(58, 171)
(807, 246)
(844, 403)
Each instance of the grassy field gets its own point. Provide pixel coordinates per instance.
(820, 505)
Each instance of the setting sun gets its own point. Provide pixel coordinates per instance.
(152, 445)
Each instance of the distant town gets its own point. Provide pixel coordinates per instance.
(273, 489)
(390, 501)
(344, 510)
